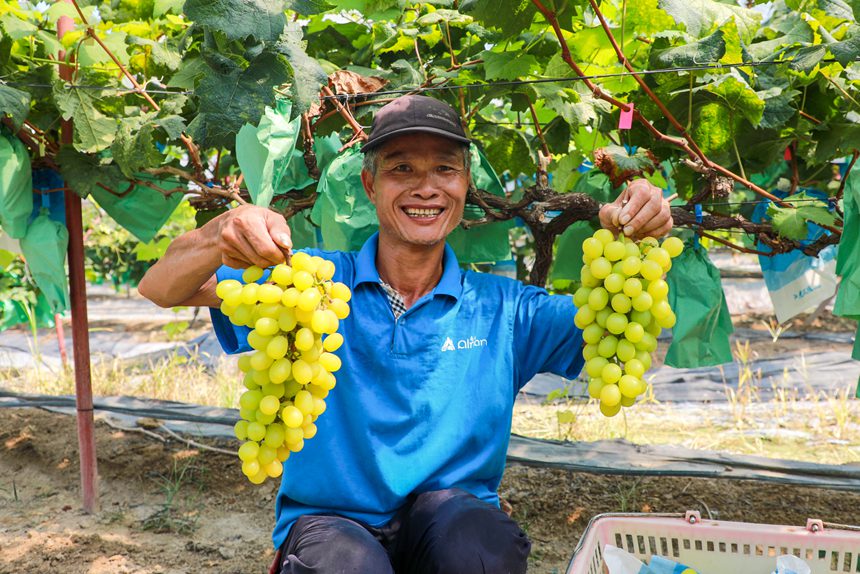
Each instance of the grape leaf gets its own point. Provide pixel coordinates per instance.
(227, 101)
(739, 96)
(791, 222)
(507, 65)
(708, 49)
(793, 30)
(806, 58)
(238, 19)
(308, 75)
(700, 16)
(134, 149)
(15, 104)
(450, 17)
(308, 7)
(173, 124)
(645, 18)
(93, 131)
(837, 9)
(509, 150)
(777, 107)
(847, 50)
(161, 54)
(83, 172)
(162, 7)
(511, 16)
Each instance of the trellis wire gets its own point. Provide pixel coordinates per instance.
(607, 75)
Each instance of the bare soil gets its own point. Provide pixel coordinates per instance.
(169, 509)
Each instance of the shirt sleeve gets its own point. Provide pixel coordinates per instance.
(233, 338)
(545, 338)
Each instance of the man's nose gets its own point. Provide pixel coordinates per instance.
(425, 186)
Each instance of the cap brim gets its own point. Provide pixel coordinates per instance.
(372, 143)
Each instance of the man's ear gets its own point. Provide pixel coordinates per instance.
(367, 183)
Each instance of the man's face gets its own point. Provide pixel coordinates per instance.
(419, 189)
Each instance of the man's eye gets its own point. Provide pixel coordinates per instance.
(402, 168)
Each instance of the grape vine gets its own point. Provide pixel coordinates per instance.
(731, 104)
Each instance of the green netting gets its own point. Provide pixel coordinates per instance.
(848, 259)
(16, 186)
(141, 210)
(700, 337)
(268, 157)
(347, 217)
(567, 262)
(44, 247)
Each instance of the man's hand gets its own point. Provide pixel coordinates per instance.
(253, 235)
(640, 211)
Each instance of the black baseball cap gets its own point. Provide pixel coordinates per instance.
(415, 114)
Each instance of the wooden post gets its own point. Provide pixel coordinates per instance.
(80, 325)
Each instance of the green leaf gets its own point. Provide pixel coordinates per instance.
(777, 107)
(565, 171)
(707, 50)
(565, 417)
(162, 7)
(702, 16)
(83, 172)
(91, 53)
(739, 96)
(511, 16)
(450, 17)
(174, 125)
(557, 135)
(646, 19)
(238, 19)
(152, 250)
(17, 28)
(190, 71)
(509, 150)
(229, 101)
(93, 131)
(837, 9)
(15, 104)
(308, 7)
(161, 54)
(848, 49)
(507, 65)
(792, 30)
(6, 258)
(805, 59)
(134, 149)
(308, 75)
(791, 222)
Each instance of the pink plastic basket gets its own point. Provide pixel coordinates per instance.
(717, 547)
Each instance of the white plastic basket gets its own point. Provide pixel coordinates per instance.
(717, 547)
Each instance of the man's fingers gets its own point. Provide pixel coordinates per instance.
(659, 225)
(640, 217)
(639, 194)
(280, 233)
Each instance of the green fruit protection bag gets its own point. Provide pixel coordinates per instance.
(347, 217)
(16, 186)
(44, 248)
(140, 210)
(848, 259)
(700, 337)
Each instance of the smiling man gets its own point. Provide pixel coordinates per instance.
(402, 474)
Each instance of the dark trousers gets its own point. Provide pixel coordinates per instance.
(440, 532)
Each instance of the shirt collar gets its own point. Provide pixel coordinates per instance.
(366, 272)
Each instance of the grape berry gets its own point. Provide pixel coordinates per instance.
(621, 308)
(293, 319)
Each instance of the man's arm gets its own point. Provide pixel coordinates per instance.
(640, 211)
(185, 275)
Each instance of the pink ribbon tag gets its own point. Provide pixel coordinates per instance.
(787, 154)
(625, 120)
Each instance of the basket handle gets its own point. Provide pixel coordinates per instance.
(816, 525)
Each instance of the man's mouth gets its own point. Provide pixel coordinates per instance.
(422, 213)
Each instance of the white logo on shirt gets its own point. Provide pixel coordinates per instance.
(469, 343)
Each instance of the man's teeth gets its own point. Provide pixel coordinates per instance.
(422, 212)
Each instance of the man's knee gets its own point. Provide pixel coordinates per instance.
(332, 545)
(460, 533)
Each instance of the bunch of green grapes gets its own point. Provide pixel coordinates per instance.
(294, 319)
(622, 307)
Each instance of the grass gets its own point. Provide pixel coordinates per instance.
(173, 515)
(800, 424)
(171, 378)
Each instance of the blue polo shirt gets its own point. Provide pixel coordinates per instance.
(423, 402)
